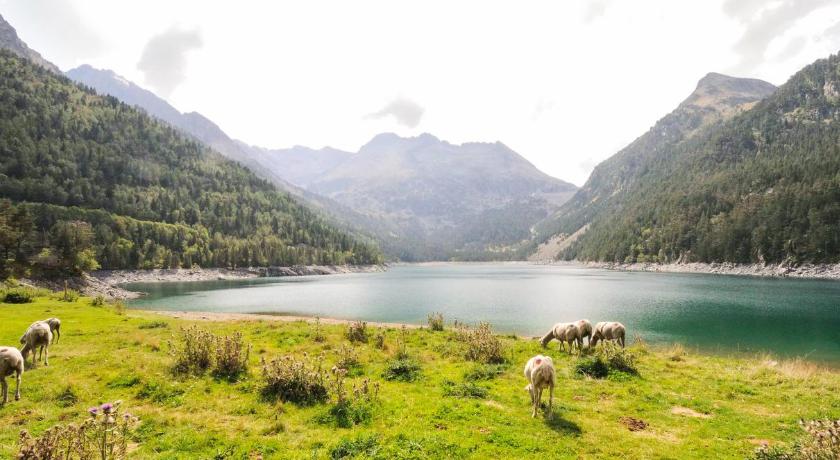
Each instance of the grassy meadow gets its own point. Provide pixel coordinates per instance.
(680, 405)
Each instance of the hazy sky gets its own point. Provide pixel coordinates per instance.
(564, 83)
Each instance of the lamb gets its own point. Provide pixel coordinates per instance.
(585, 329)
(540, 374)
(11, 362)
(564, 333)
(608, 331)
(37, 337)
(55, 327)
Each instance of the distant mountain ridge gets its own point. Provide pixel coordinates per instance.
(716, 98)
(759, 186)
(476, 200)
(9, 40)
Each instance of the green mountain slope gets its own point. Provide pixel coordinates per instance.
(155, 197)
(763, 186)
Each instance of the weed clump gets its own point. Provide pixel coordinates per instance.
(68, 295)
(19, 295)
(353, 407)
(464, 390)
(357, 332)
(402, 366)
(98, 301)
(435, 321)
(199, 351)
(484, 372)
(482, 345)
(379, 340)
(318, 335)
(361, 446)
(104, 435)
(348, 359)
(153, 325)
(606, 360)
(822, 442)
(301, 381)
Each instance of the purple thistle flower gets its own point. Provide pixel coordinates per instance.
(93, 410)
(107, 408)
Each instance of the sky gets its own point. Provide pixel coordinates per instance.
(564, 83)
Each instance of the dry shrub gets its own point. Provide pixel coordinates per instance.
(379, 340)
(318, 335)
(482, 345)
(98, 301)
(301, 381)
(352, 407)
(348, 357)
(357, 332)
(677, 352)
(199, 350)
(798, 368)
(821, 443)
(104, 435)
(435, 321)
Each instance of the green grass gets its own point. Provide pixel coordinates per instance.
(103, 356)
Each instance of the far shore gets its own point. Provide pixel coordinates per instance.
(223, 316)
(804, 271)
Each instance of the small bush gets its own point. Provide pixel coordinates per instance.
(300, 381)
(822, 442)
(361, 446)
(357, 332)
(67, 397)
(68, 295)
(104, 435)
(348, 359)
(19, 295)
(435, 321)
(124, 381)
(677, 352)
(118, 306)
(379, 340)
(592, 366)
(351, 408)
(153, 325)
(482, 345)
(464, 390)
(199, 351)
(404, 369)
(318, 335)
(485, 372)
(606, 361)
(98, 301)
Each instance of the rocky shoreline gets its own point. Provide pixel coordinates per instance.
(806, 271)
(107, 283)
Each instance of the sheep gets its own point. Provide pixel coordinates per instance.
(11, 362)
(55, 327)
(564, 333)
(540, 374)
(37, 337)
(585, 329)
(608, 331)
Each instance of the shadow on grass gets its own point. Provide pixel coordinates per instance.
(559, 424)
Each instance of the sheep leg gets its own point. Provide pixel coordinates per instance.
(537, 399)
(46, 349)
(18, 374)
(550, 397)
(5, 389)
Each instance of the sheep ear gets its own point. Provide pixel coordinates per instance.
(538, 361)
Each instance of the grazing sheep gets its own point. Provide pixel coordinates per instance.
(608, 331)
(11, 362)
(540, 374)
(37, 338)
(585, 329)
(55, 327)
(564, 333)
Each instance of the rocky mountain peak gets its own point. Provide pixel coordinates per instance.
(9, 40)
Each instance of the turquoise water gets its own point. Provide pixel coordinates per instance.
(711, 312)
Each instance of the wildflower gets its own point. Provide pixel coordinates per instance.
(93, 411)
(107, 408)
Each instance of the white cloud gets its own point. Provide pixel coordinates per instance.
(164, 59)
(404, 111)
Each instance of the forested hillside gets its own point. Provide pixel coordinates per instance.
(137, 191)
(763, 186)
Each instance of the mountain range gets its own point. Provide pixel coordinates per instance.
(420, 198)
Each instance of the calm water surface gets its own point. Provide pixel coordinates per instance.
(712, 312)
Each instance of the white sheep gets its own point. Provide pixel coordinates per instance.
(37, 337)
(585, 330)
(608, 331)
(564, 333)
(540, 374)
(55, 327)
(11, 362)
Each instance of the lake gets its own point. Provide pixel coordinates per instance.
(713, 313)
